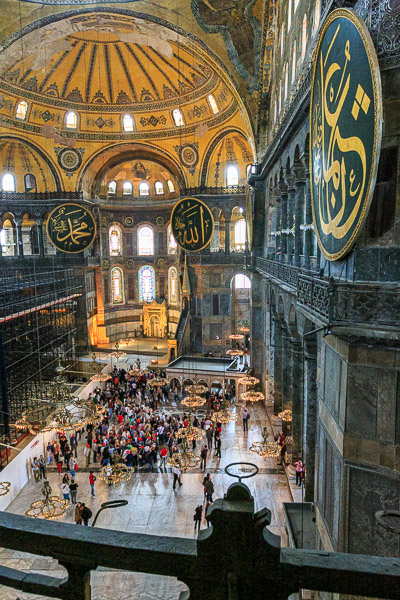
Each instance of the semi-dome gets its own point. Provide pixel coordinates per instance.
(28, 170)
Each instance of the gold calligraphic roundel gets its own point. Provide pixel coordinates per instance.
(192, 224)
(71, 228)
(345, 131)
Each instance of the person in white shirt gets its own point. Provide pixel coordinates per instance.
(177, 475)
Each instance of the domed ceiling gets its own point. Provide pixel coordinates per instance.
(20, 159)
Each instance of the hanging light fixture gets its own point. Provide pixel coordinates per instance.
(236, 336)
(196, 387)
(265, 448)
(117, 353)
(247, 380)
(234, 353)
(190, 433)
(184, 460)
(52, 507)
(252, 396)
(224, 416)
(115, 474)
(193, 400)
(286, 415)
(244, 329)
(98, 375)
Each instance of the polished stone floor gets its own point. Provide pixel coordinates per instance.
(154, 508)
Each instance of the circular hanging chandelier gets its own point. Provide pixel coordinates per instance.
(117, 353)
(286, 415)
(234, 353)
(244, 329)
(52, 507)
(190, 433)
(265, 448)
(184, 460)
(196, 389)
(193, 400)
(4, 488)
(236, 336)
(224, 416)
(248, 380)
(115, 474)
(138, 371)
(252, 396)
(156, 382)
(98, 375)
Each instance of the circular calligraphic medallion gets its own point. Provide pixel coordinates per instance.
(192, 224)
(128, 221)
(345, 131)
(71, 228)
(69, 159)
(160, 221)
(189, 156)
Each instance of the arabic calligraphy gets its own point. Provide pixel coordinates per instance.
(192, 224)
(71, 228)
(344, 129)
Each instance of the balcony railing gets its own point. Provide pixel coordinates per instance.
(238, 558)
(214, 190)
(24, 196)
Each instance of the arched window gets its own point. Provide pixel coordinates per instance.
(171, 186)
(147, 285)
(178, 118)
(241, 281)
(240, 235)
(317, 15)
(173, 295)
(289, 15)
(286, 80)
(282, 37)
(29, 182)
(294, 62)
(232, 175)
(112, 187)
(128, 124)
(304, 38)
(115, 240)
(145, 241)
(248, 170)
(117, 285)
(22, 109)
(71, 120)
(8, 183)
(159, 188)
(213, 104)
(296, 3)
(172, 245)
(144, 189)
(127, 188)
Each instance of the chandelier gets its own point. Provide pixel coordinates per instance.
(193, 400)
(156, 382)
(98, 375)
(286, 415)
(247, 380)
(224, 416)
(244, 329)
(4, 488)
(190, 433)
(252, 396)
(234, 353)
(52, 507)
(117, 353)
(184, 460)
(138, 371)
(236, 336)
(265, 448)
(115, 474)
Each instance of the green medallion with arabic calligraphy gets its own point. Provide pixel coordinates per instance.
(345, 131)
(192, 224)
(71, 228)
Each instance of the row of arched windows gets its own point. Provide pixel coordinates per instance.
(8, 183)
(145, 241)
(144, 188)
(147, 285)
(71, 119)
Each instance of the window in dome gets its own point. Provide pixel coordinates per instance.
(71, 120)
(248, 170)
(29, 182)
(317, 15)
(159, 187)
(289, 15)
(304, 38)
(171, 186)
(117, 285)
(213, 104)
(112, 187)
(22, 109)
(144, 189)
(8, 183)
(147, 284)
(232, 176)
(172, 245)
(240, 235)
(173, 286)
(145, 241)
(296, 3)
(115, 240)
(128, 124)
(127, 188)
(294, 62)
(178, 118)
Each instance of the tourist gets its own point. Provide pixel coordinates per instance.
(73, 488)
(87, 452)
(163, 455)
(86, 514)
(208, 487)
(72, 465)
(50, 453)
(42, 467)
(65, 490)
(92, 479)
(209, 435)
(245, 417)
(78, 513)
(59, 465)
(177, 475)
(36, 469)
(299, 472)
(207, 514)
(203, 456)
(197, 516)
(218, 447)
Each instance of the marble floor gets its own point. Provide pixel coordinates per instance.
(154, 508)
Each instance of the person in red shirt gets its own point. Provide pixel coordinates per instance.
(163, 455)
(92, 479)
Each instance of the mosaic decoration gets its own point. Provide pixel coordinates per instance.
(146, 284)
(154, 121)
(128, 221)
(71, 228)
(189, 155)
(161, 263)
(192, 224)
(345, 131)
(130, 262)
(69, 159)
(160, 221)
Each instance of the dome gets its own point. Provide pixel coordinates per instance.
(30, 171)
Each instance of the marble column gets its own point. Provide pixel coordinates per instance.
(39, 224)
(290, 221)
(309, 234)
(259, 202)
(1, 246)
(227, 234)
(20, 246)
(276, 338)
(278, 225)
(284, 219)
(297, 396)
(299, 215)
(310, 422)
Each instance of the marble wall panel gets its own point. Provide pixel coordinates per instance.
(386, 407)
(225, 304)
(332, 381)
(362, 394)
